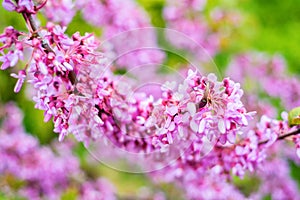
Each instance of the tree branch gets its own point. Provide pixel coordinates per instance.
(283, 136)
(34, 31)
(72, 77)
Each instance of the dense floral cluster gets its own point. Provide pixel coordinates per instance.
(34, 171)
(276, 181)
(187, 18)
(51, 70)
(116, 18)
(20, 6)
(202, 109)
(125, 117)
(258, 71)
(10, 40)
(64, 11)
(250, 154)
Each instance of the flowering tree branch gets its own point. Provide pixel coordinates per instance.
(72, 76)
(283, 136)
(197, 109)
(33, 28)
(35, 31)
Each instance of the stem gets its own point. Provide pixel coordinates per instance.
(34, 28)
(35, 33)
(281, 137)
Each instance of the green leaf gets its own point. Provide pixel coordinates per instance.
(294, 117)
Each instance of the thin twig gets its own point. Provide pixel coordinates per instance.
(283, 136)
(35, 33)
(34, 28)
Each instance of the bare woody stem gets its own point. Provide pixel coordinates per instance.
(283, 136)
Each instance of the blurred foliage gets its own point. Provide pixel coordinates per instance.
(268, 26)
(13, 183)
(271, 27)
(248, 184)
(127, 184)
(70, 194)
(295, 172)
(276, 29)
(155, 11)
(294, 117)
(81, 26)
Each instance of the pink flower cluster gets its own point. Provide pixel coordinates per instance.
(97, 190)
(60, 11)
(249, 154)
(187, 18)
(202, 108)
(20, 6)
(140, 123)
(73, 87)
(42, 172)
(276, 181)
(10, 41)
(258, 71)
(54, 73)
(128, 40)
(200, 185)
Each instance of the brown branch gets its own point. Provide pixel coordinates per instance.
(34, 31)
(34, 28)
(283, 136)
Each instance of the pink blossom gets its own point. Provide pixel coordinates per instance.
(46, 173)
(21, 78)
(10, 59)
(25, 6)
(267, 73)
(296, 140)
(195, 34)
(202, 118)
(128, 40)
(23, 158)
(9, 37)
(9, 5)
(98, 190)
(276, 181)
(60, 11)
(19, 6)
